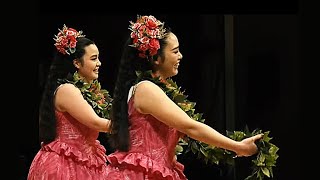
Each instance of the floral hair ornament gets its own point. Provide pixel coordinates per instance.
(146, 32)
(66, 40)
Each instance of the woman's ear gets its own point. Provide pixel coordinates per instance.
(157, 61)
(76, 63)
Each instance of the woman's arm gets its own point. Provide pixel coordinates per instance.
(150, 99)
(69, 99)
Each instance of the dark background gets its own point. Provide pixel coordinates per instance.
(240, 69)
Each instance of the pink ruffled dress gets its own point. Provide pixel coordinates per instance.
(152, 152)
(76, 154)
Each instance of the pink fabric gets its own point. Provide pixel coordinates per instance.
(152, 151)
(76, 154)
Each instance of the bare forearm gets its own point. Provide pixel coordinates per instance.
(206, 134)
(100, 124)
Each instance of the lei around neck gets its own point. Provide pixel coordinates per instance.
(263, 162)
(98, 98)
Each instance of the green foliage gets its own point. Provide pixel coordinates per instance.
(262, 164)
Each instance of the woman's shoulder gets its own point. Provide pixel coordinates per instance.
(146, 86)
(148, 90)
(146, 93)
(67, 88)
(65, 94)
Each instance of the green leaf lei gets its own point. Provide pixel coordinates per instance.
(262, 164)
(98, 98)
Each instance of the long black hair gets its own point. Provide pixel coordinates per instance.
(130, 63)
(61, 67)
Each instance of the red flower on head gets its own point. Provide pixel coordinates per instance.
(66, 40)
(146, 33)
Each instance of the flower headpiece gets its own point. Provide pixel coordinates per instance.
(66, 40)
(146, 32)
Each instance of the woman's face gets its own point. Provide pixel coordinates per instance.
(167, 66)
(89, 69)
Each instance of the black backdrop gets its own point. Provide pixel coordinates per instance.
(264, 77)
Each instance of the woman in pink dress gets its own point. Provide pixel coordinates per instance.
(146, 124)
(69, 124)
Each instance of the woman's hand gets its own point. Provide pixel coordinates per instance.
(248, 146)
